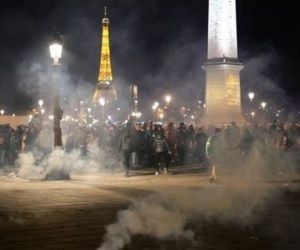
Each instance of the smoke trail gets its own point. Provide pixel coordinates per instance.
(168, 215)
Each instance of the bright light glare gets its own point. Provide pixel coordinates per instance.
(263, 105)
(251, 95)
(155, 106)
(41, 103)
(55, 52)
(168, 98)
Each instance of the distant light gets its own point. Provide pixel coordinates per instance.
(155, 106)
(251, 96)
(2, 111)
(192, 117)
(51, 117)
(42, 111)
(13, 115)
(252, 113)
(41, 103)
(89, 110)
(168, 99)
(102, 101)
(263, 105)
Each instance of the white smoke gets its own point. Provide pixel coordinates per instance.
(167, 216)
(97, 160)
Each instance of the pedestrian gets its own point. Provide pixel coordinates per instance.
(126, 147)
(214, 153)
(162, 152)
(181, 143)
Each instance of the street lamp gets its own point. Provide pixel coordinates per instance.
(263, 105)
(2, 111)
(55, 48)
(251, 96)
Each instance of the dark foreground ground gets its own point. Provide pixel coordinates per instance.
(73, 214)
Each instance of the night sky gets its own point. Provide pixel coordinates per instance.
(158, 44)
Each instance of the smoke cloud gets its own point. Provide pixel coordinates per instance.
(36, 165)
(169, 215)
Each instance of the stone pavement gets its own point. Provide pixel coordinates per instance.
(72, 215)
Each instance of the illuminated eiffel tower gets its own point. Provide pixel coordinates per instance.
(105, 90)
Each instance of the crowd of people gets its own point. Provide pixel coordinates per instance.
(158, 146)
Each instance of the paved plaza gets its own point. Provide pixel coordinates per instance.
(73, 214)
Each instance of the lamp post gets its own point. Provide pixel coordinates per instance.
(55, 47)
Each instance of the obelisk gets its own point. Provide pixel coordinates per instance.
(222, 94)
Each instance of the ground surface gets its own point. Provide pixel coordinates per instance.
(73, 214)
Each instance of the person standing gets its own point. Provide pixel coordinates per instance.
(127, 147)
(201, 139)
(162, 151)
(181, 143)
(214, 153)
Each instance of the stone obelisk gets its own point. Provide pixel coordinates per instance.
(223, 94)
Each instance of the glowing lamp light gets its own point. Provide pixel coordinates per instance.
(263, 105)
(42, 111)
(168, 98)
(102, 101)
(2, 111)
(89, 110)
(251, 96)
(41, 103)
(252, 114)
(155, 106)
(55, 48)
(161, 116)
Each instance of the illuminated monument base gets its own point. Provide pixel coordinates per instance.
(223, 94)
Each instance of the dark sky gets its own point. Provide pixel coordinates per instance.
(158, 44)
